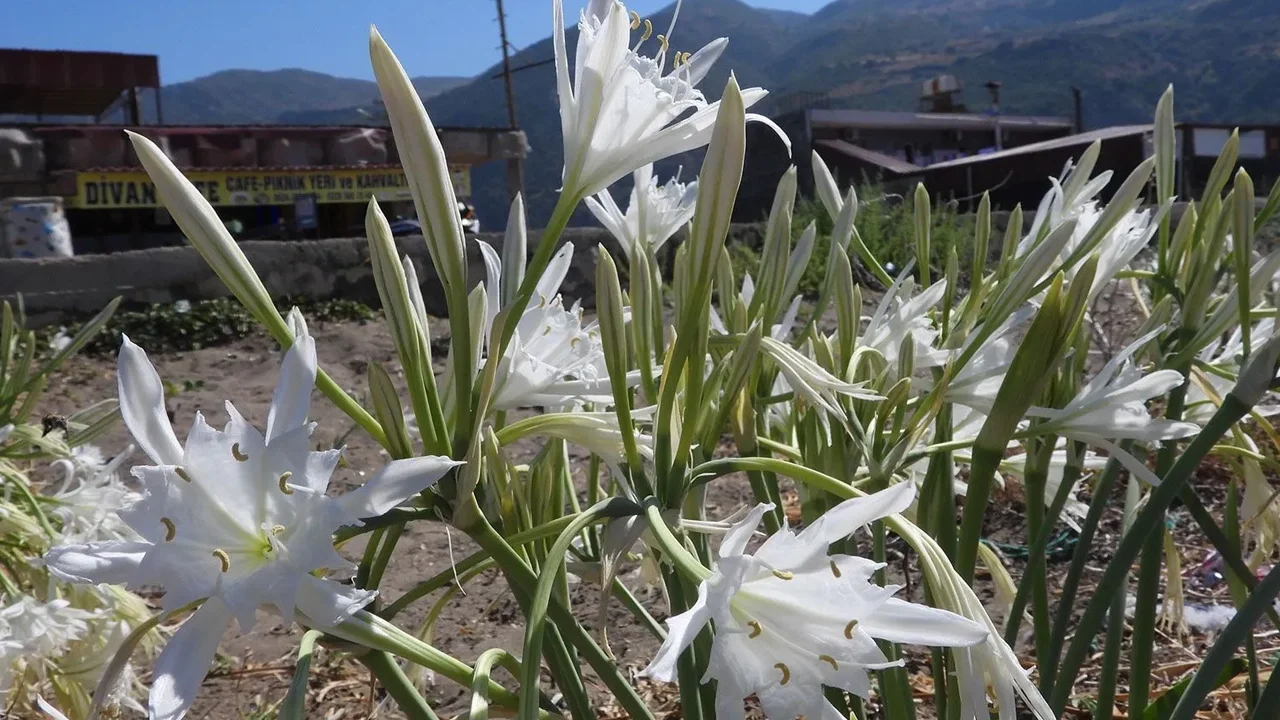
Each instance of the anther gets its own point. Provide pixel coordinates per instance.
(182, 474)
(235, 453)
(786, 672)
(635, 19)
(755, 628)
(277, 529)
(783, 574)
(848, 629)
(830, 661)
(835, 569)
(170, 530)
(662, 40)
(223, 558)
(684, 60)
(648, 30)
(284, 483)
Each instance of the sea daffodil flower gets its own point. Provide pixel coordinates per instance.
(791, 618)
(235, 518)
(1112, 406)
(622, 110)
(654, 213)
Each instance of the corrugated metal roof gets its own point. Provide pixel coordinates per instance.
(1087, 138)
(888, 162)
(932, 121)
(233, 129)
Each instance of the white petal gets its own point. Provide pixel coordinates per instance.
(327, 603)
(904, 622)
(113, 563)
(841, 520)
(142, 405)
(681, 630)
(549, 284)
(396, 482)
(184, 662)
(291, 401)
(735, 540)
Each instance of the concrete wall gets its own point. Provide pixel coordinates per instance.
(52, 289)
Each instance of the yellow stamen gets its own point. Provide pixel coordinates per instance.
(662, 40)
(170, 530)
(786, 672)
(830, 661)
(685, 58)
(182, 474)
(277, 529)
(235, 453)
(848, 629)
(835, 569)
(755, 628)
(783, 574)
(223, 558)
(284, 483)
(635, 19)
(648, 30)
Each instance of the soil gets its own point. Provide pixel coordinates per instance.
(255, 668)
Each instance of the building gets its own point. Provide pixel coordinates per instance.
(893, 148)
(267, 181)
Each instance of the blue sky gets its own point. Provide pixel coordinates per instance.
(431, 37)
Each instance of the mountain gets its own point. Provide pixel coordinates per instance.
(1222, 55)
(290, 96)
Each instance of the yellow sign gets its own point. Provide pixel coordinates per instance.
(112, 190)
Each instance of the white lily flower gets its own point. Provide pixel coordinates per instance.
(553, 359)
(812, 383)
(1208, 387)
(621, 112)
(791, 618)
(654, 213)
(1112, 406)
(90, 496)
(235, 518)
(898, 316)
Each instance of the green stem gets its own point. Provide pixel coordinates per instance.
(398, 685)
(1239, 594)
(294, 706)
(1071, 585)
(898, 703)
(1142, 641)
(523, 583)
(349, 406)
(366, 560)
(536, 615)
(480, 679)
(683, 560)
(1146, 522)
(388, 546)
(982, 470)
(687, 665)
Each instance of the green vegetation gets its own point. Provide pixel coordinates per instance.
(207, 323)
(886, 226)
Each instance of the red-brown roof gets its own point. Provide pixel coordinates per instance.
(63, 82)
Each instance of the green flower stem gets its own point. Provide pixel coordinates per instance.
(348, 404)
(982, 470)
(366, 560)
(682, 559)
(480, 679)
(896, 688)
(523, 583)
(1142, 640)
(692, 659)
(536, 615)
(1071, 584)
(388, 546)
(398, 685)
(294, 706)
(1146, 522)
(25, 491)
(1239, 594)
(1239, 628)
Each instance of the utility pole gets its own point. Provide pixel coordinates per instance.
(515, 166)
